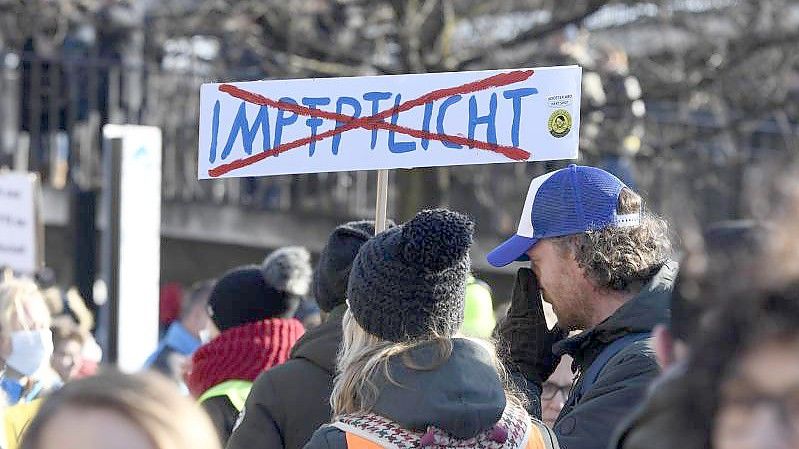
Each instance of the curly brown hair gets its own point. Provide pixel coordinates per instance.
(619, 258)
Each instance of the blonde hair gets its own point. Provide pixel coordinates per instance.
(15, 294)
(361, 355)
(148, 400)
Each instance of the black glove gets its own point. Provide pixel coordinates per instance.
(525, 341)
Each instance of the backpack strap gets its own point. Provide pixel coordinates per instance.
(592, 373)
(535, 440)
(358, 442)
(371, 431)
(543, 438)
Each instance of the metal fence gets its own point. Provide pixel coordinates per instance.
(52, 111)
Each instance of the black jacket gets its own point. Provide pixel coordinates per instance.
(653, 424)
(461, 398)
(290, 401)
(223, 415)
(622, 384)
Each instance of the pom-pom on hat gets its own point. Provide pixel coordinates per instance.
(409, 282)
(288, 269)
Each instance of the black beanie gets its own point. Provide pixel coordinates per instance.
(249, 294)
(410, 280)
(242, 296)
(335, 262)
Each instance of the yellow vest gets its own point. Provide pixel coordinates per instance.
(16, 419)
(478, 312)
(235, 390)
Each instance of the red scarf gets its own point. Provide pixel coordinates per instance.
(242, 352)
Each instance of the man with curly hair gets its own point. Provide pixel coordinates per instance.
(603, 263)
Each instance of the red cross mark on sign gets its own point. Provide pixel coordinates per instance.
(376, 121)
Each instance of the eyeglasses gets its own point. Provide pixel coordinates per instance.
(550, 390)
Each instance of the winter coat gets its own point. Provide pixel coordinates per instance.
(622, 384)
(223, 370)
(460, 402)
(223, 415)
(289, 402)
(652, 425)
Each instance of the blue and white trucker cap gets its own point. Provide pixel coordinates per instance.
(571, 200)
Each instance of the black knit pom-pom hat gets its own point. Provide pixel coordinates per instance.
(409, 281)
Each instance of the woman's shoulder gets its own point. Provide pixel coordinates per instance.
(328, 437)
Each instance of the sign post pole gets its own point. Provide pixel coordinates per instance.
(382, 201)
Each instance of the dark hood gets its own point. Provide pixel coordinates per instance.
(651, 306)
(320, 345)
(463, 396)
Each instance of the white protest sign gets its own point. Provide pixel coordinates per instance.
(20, 222)
(262, 128)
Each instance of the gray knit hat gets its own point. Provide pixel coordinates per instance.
(409, 281)
(333, 270)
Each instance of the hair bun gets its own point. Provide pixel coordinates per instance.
(436, 239)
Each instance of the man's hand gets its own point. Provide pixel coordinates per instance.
(525, 340)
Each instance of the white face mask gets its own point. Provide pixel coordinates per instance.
(30, 350)
(205, 336)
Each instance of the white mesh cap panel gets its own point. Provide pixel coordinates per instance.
(526, 221)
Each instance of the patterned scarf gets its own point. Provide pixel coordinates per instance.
(511, 432)
(242, 353)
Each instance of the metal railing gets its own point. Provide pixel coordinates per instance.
(52, 111)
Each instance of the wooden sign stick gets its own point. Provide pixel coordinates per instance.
(382, 201)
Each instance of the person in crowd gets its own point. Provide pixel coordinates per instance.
(289, 402)
(754, 367)
(66, 304)
(555, 391)
(478, 315)
(68, 342)
(709, 266)
(115, 410)
(26, 342)
(602, 261)
(743, 385)
(170, 301)
(252, 307)
(404, 377)
(184, 335)
(91, 356)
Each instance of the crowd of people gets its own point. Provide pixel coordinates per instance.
(389, 340)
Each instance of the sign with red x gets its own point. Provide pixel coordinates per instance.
(263, 128)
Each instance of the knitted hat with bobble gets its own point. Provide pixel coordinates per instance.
(408, 282)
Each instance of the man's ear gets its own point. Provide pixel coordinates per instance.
(663, 344)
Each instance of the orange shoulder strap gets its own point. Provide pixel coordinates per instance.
(536, 440)
(359, 442)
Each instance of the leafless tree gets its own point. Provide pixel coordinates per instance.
(683, 88)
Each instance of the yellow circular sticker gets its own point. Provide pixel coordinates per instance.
(559, 123)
